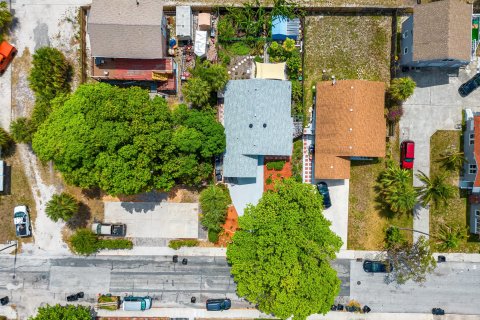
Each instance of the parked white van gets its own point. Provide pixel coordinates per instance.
(136, 303)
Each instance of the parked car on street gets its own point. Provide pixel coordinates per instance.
(218, 304)
(109, 229)
(469, 86)
(438, 311)
(21, 219)
(136, 303)
(407, 154)
(4, 301)
(323, 189)
(7, 52)
(373, 266)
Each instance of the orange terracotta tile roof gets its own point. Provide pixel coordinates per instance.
(476, 147)
(350, 121)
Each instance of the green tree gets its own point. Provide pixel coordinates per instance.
(215, 75)
(450, 237)
(281, 255)
(402, 88)
(50, 74)
(435, 190)
(5, 138)
(58, 312)
(410, 261)
(452, 160)
(396, 189)
(124, 143)
(5, 18)
(84, 242)
(214, 202)
(197, 92)
(21, 130)
(61, 206)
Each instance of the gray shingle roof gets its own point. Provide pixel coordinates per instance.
(257, 122)
(126, 30)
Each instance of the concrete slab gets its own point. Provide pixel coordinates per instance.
(155, 219)
(87, 279)
(6, 98)
(338, 212)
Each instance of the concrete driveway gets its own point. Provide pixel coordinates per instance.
(155, 219)
(435, 105)
(338, 212)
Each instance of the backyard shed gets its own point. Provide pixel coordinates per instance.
(204, 21)
(183, 23)
(283, 28)
(275, 71)
(200, 43)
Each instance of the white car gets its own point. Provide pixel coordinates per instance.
(21, 219)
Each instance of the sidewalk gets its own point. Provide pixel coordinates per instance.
(450, 257)
(192, 313)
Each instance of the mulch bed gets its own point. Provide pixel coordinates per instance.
(229, 228)
(275, 175)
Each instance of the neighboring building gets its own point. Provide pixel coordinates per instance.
(437, 35)
(470, 179)
(349, 122)
(204, 21)
(201, 41)
(183, 23)
(258, 123)
(127, 29)
(128, 44)
(283, 28)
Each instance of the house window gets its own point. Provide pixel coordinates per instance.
(477, 213)
(472, 138)
(405, 50)
(472, 169)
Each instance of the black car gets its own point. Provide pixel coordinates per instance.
(372, 266)
(323, 189)
(4, 301)
(469, 86)
(438, 311)
(218, 304)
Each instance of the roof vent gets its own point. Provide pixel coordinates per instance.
(350, 129)
(250, 126)
(351, 109)
(264, 125)
(350, 147)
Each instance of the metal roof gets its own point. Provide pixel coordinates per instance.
(183, 22)
(258, 121)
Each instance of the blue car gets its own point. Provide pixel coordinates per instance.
(377, 266)
(218, 304)
(469, 86)
(323, 189)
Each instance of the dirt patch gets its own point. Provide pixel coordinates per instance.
(19, 193)
(229, 228)
(183, 195)
(91, 206)
(22, 96)
(270, 176)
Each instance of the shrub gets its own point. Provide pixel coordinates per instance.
(177, 244)
(226, 29)
(395, 113)
(84, 242)
(297, 160)
(213, 236)
(296, 91)
(5, 18)
(393, 236)
(275, 165)
(21, 130)
(402, 88)
(61, 206)
(115, 244)
(288, 45)
(258, 59)
(269, 180)
(239, 49)
(50, 74)
(224, 57)
(214, 202)
(197, 92)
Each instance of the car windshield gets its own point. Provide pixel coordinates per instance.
(409, 160)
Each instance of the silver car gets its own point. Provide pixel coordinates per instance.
(21, 219)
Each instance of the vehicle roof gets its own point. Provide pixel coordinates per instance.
(6, 48)
(21, 208)
(410, 148)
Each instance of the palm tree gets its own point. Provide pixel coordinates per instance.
(401, 198)
(450, 237)
(61, 206)
(402, 88)
(394, 175)
(435, 190)
(452, 160)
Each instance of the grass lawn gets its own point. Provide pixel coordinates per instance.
(456, 212)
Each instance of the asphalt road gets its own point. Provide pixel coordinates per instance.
(46, 280)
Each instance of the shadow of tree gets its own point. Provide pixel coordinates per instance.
(80, 220)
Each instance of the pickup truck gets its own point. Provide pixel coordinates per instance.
(7, 52)
(109, 229)
(21, 219)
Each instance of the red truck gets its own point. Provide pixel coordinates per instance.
(7, 52)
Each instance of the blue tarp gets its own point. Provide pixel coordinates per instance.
(283, 28)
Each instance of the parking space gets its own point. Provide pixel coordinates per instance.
(155, 219)
(435, 105)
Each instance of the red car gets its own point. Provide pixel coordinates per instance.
(7, 52)
(407, 154)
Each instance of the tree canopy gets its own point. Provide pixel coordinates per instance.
(61, 206)
(281, 254)
(402, 88)
(396, 188)
(214, 202)
(58, 312)
(123, 142)
(5, 18)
